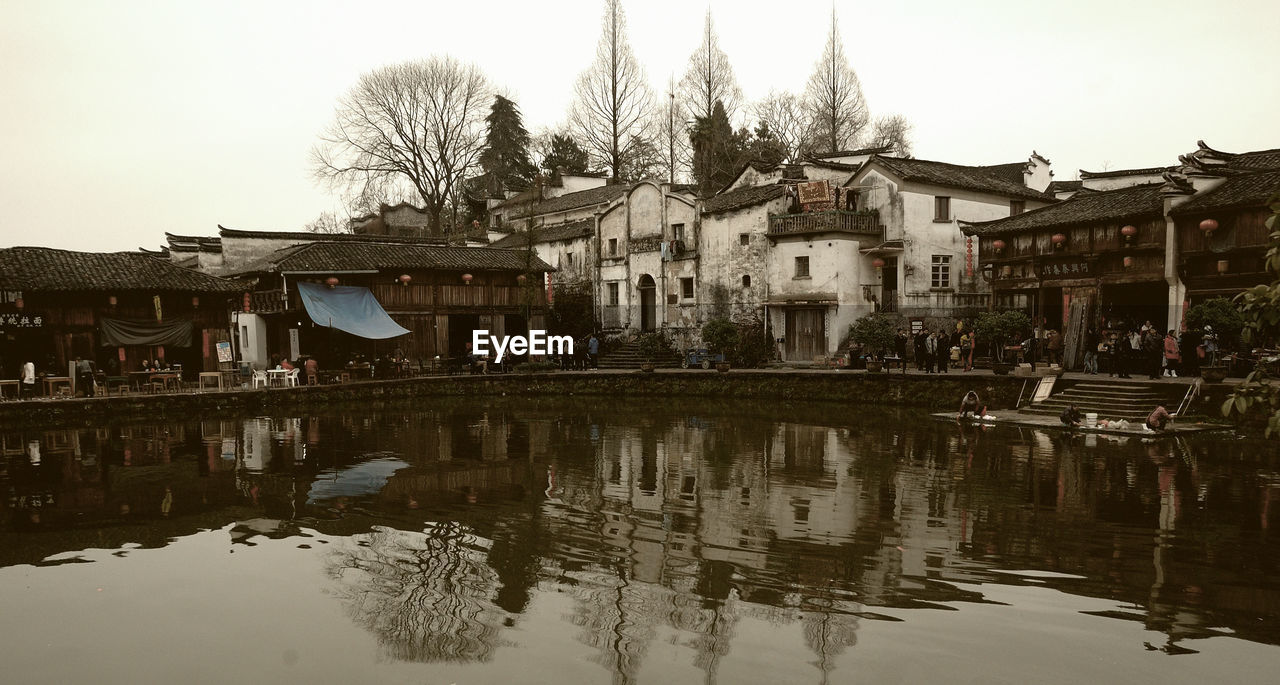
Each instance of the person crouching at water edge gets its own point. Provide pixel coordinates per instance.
(1158, 419)
(1070, 417)
(971, 406)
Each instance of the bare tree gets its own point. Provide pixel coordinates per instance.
(783, 114)
(612, 113)
(709, 78)
(833, 99)
(673, 134)
(893, 131)
(329, 222)
(419, 124)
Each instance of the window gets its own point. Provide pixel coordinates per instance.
(686, 288)
(941, 271)
(746, 281)
(744, 239)
(677, 232)
(802, 267)
(568, 258)
(613, 247)
(244, 340)
(613, 294)
(941, 208)
(1017, 207)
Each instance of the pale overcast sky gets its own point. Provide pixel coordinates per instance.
(122, 120)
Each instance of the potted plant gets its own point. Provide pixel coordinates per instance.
(1221, 323)
(997, 329)
(651, 345)
(875, 332)
(721, 338)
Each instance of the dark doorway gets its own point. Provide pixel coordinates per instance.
(1133, 304)
(889, 285)
(460, 328)
(648, 303)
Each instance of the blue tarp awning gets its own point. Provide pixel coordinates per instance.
(348, 308)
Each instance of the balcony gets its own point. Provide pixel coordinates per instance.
(268, 301)
(858, 223)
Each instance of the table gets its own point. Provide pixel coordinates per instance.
(51, 382)
(121, 384)
(17, 391)
(168, 380)
(276, 376)
(215, 376)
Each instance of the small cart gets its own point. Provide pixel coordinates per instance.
(700, 357)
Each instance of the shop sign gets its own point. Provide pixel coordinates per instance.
(23, 320)
(1069, 268)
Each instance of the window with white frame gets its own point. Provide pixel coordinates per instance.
(677, 232)
(613, 294)
(941, 274)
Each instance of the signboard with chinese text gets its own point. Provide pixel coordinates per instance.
(224, 351)
(1064, 268)
(21, 320)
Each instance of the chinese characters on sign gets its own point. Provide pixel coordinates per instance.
(1077, 268)
(12, 320)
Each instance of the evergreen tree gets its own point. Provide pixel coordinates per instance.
(717, 150)
(765, 147)
(566, 156)
(506, 154)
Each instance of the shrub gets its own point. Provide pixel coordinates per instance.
(996, 329)
(1223, 315)
(721, 337)
(755, 346)
(875, 332)
(653, 345)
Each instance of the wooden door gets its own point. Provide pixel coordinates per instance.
(806, 334)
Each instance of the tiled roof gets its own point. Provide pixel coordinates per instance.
(303, 236)
(327, 257)
(1147, 171)
(1063, 186)
(549, 234)
(741, 198)
(1245, 190)
(1084, 208)
(44, 269)
(1011, 172)
(854, 153)
(1256, 161)
(957, 176)
(568, 201)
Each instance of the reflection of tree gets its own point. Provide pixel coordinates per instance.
(424, 595)
(617, 618)
(828, 634)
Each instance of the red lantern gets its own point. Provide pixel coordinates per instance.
(19, 303)
(1129, 231)
(405, 278)
(1223, 265)
(999, 245)
(1209, 225)
(1059, 239)
(195, 301)
(246, 302)
(331, 281)
(878, 263)
(466, 278)
(1128, 262)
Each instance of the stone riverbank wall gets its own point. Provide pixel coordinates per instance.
(925, 392)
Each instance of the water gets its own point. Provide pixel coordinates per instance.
(648, 541)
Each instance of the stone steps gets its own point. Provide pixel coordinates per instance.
(1109, 400)
(628, 357)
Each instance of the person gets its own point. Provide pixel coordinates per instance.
(84, 375)
(1153, 352)
(475, 363)
(286, 364)
(1030, 349)
(1054, 344)
(922, 352)
(1070, 416)
(1121, 355)
(930, 351)
(1159, 418)
(1172, 354)
(593, 351)
(1091, 344)
(971, 405)
(900, 346)
(1210, 345)
(28, 386)
(966, 350)
(313, 371)
(1191, 342)
(942, 357)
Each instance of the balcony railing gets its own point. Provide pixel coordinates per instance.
(863, 223)
(268, 301)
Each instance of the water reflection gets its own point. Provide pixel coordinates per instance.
(676, 526)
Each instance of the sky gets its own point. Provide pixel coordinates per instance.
(122, 120)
